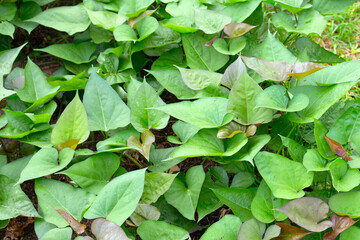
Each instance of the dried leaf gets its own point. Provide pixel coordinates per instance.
(237, 29)
(68, 144)
(340, 223)
(289, 232)
(301, 70)
(133, 21)
(74, 224)
(147, 138)
(337, 148)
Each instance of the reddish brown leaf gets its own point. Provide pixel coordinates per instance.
(68, 144)
(237, 29)
(340, 223)
(211, 42)
(289, 232)
(74, 224)
(337, 148)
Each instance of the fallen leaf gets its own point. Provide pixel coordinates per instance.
(337, 148)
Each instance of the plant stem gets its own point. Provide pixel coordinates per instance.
(133, 159)
(282, 145)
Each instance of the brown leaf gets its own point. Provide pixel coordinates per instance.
(74, 224)
(337, 148)
(340, 223)
(133, 21)
(174, 169)
(237, 29)
(68, 144)
(289, 232)
(301, 70)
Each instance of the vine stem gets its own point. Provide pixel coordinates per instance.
(133, 160)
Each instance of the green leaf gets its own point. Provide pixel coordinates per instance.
(285, 178)
(13, 169)
(241, 10)
(343, 179)
(161, 159)
(103, 229)
(104, 108)
(197, 79)
(95, 172)
(296, 150)
(238, 200)
(156, 184)
(313, 161)
(45, 162)
(351, 233)
(159, 230)
(58, 234)
(113, 202)
(55, 194)
(232, 47)
(36, 88)
(316, 53)
(7, 11)
(320, 131)
(184, 194)
(320, 98)
(141, 116)
(242, 180)
(307, 212)
(251, 229)
(184, 130)
(13, 201)
(142, 213)
(293, 6)
(146, 26)
(309, 21)
(331, 7)
(248, 152)
(206, 143)
(131, 8)
(344, 204)
(69, 19)
(72, 124)
(276, 97)
(273, 50)
(264, 205)
(105, 19)
(233, 73)
(225, 229)
(210, 21)
(26, 11)
(74, 52)
(242, 102)
(346, 126)
(124, 33)
(117, 140)
(7, 28)
(203, 113)
(199, 56)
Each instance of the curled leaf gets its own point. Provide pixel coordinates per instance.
(289, 232)
(230, 129)
(237, 29)
(307, 212)
(74, 224)
(340, 223)
(133, 21)
(147, 138)
(337, 148)
(143, 212)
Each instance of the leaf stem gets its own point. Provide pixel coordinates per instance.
(133, 160)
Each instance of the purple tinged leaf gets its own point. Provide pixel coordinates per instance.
(106, 230)
(307, 212)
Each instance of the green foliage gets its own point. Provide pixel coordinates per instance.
(221, 104)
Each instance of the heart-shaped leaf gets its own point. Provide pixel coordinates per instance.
(210, 21)
(159, 230)
(156, 184)
(340, 223)
(307, 212)
(226, 228)
(233, 73)
(344, 204)
(106, 230)
(343, 179)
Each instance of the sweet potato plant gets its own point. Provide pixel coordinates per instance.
(239, 84)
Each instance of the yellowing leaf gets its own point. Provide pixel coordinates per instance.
(147, 138)
(68, 144)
